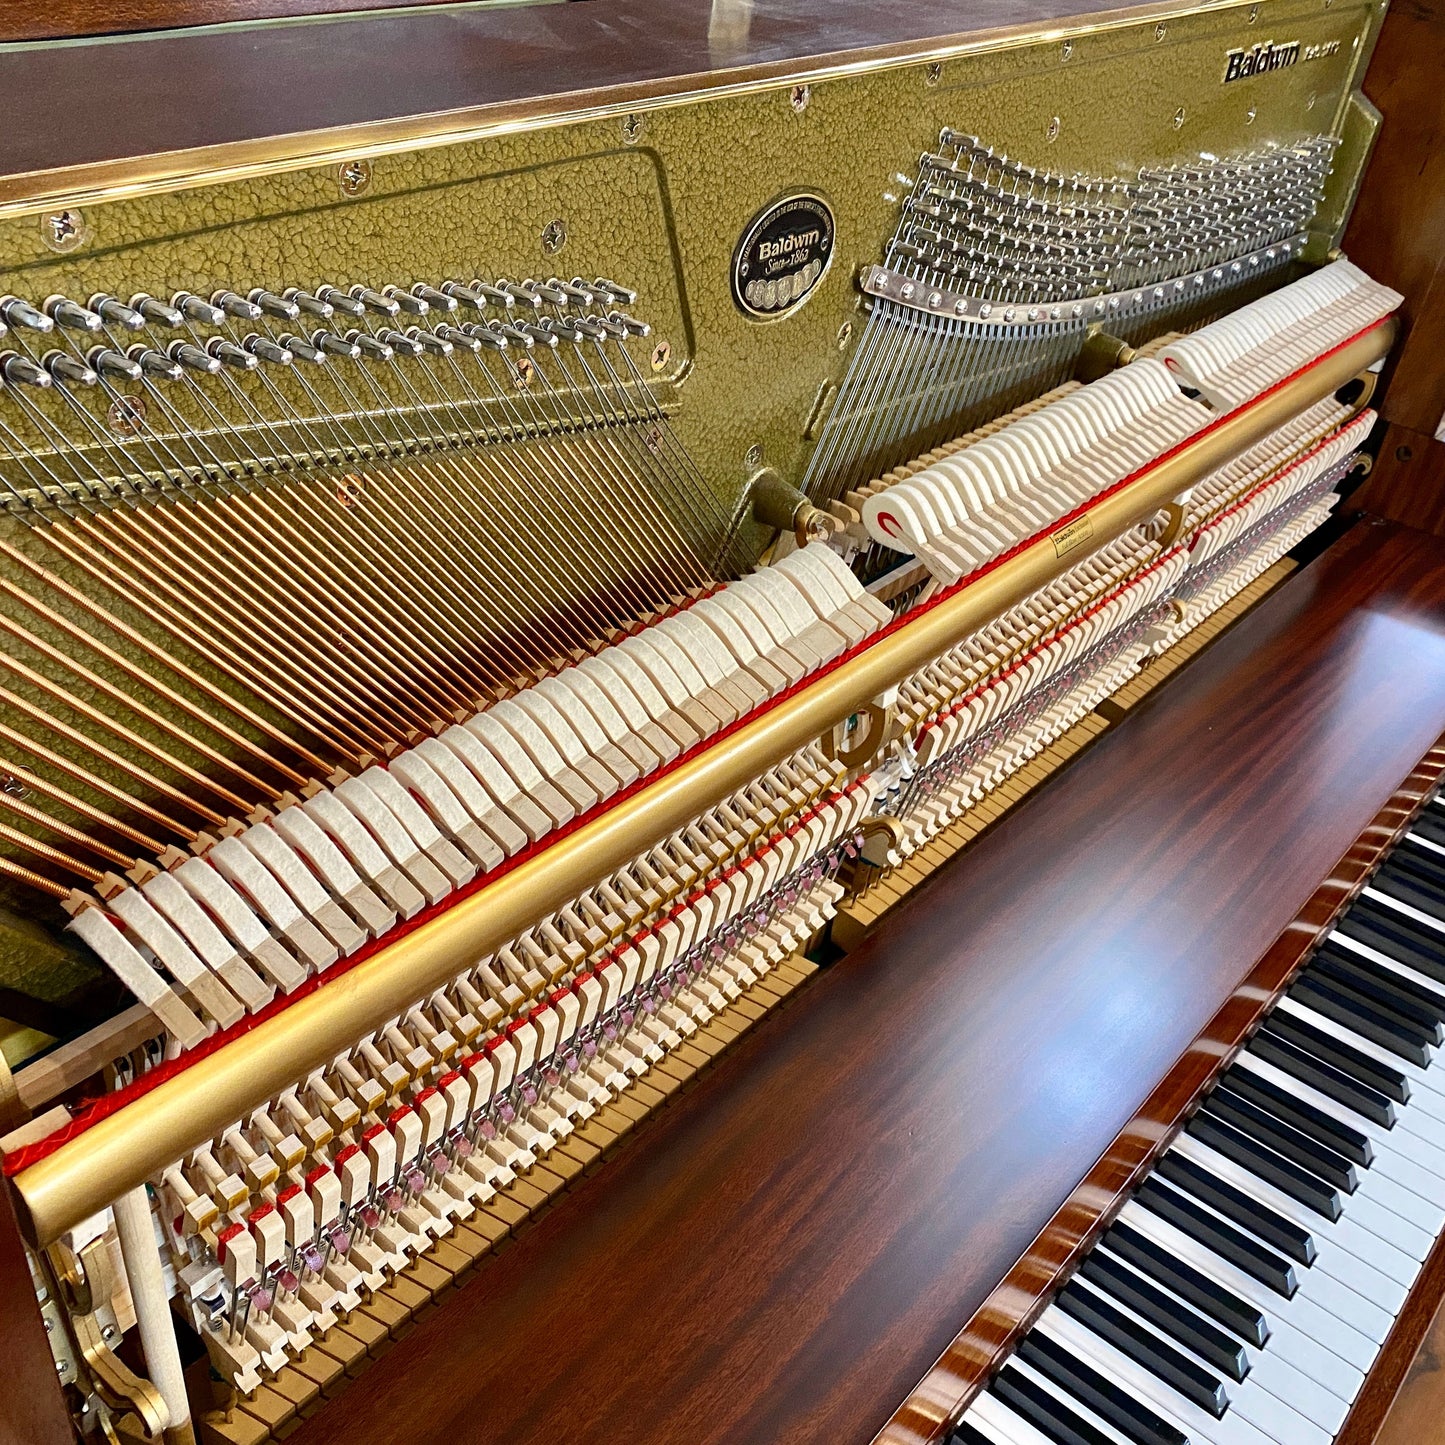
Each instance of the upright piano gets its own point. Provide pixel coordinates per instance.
(721, 723)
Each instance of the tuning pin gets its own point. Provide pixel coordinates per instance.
(405, 301)
(310, 304)
(523, 293)
(343, 304)
(538, 333)
(108, 308)
(64, 312)
(486, 336)
(576, 290)
(549, 291)
(370, 347)
(267, 350)
(373, 301)
(334, 345)
(512, 333)
(229, 354)
(117, 364)
(429, 341)
(302, 350)
(495, 294)
(193, 358)
(400, 343)
(68, 369)
(623, 295)
(155, 363)
(21, 371)
(236, 306)
(437, 300)
(457, 337)
(283, 308)
(22, 314)
(194, 308)
(158, 313)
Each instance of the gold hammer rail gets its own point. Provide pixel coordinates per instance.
(121, 1151)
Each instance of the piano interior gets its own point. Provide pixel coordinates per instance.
(721, 723)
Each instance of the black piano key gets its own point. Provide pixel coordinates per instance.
(1259, 1219)
(1350, 1143)
(1283, 1138)
(1221, 1304)
(1368, 1103)
(1412, 855)
(1395, 936)
(1430, 824)
(1398, 884)
(1344, 1056)
(1049, 1416)
(1167, 1313)
(965, 1434)
(1146, 1348)
(1080, 1379)
(1356, 1014)
(1285, 1174)
(1430, 1002)
(1390, 998)
(1231, 1244)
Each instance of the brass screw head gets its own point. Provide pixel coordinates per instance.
(126, 415)
(1160, 30)
(845, 335)
(349, 489)
(753, 457)
(661, 355)
(524, 370)
(354, 178)
(799, 97)
(1253, 13)
(932, 73)
(1310, 103)
(1067, 51)
(632, 129)
(554, 237)
(64, 231)
(1179, 118)
(1250, 114)
(1054, 127)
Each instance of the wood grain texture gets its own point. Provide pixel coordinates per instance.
(1417, 1416)
(990, 1336)
(1397, 230)
(783, 1255)
(1407, 482)
(32, 1408)
(255, 82)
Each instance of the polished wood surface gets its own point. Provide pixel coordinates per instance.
(965, 1367)
(123, 98)
(1417, 1416)
(32, 1408)
(1397, 230)
(1407, 482)
(786, 1251)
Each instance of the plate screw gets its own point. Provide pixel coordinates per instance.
(801, 95)
(1068, 50)
(1253, 13)
(845, 334)
(1310, 103)
(632, 129)
(1160, 30)
(932, 73)
(354, 177)
(1055, 126)
(126, 415)
(753, 458)
(1179, 118)
(524, 371)
(1249, 115)
(64, 230)
(554, 237)
(661, 355)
